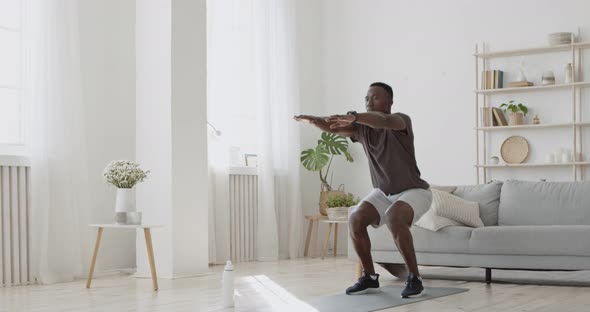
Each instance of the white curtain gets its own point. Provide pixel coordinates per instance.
(276, 86)
(253, 69)
(58, 153)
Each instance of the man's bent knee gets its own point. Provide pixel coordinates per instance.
(362, 216)
(399, 215)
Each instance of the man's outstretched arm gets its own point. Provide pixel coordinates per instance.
(327, 126)
(372, 119)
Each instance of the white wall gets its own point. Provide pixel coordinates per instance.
(107, 38)
(423, 49)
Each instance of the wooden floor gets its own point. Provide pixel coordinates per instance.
(277, 286)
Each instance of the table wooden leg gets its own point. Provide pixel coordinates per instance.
(326, 241)
(98, 236)
(335, 238)
(309, 226)
(150, 251)
(314, 238)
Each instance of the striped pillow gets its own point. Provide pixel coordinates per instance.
(456, 208)
(432, 221)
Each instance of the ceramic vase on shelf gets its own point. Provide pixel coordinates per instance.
(569, 73)
(521, 76)
(515, 119)
(550, 158)
(548, 78)
(494, 160)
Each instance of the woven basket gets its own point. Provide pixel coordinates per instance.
(324, 195)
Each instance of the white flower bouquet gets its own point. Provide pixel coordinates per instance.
(124, 174)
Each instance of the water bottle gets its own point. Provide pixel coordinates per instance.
(228, 285)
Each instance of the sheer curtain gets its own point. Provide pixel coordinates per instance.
(253, 68)
(276, 97)
(58, 153)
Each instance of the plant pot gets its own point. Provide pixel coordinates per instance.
(129, 218)
(324, 195)
(515, 119)
(125, 200)
(338, 213)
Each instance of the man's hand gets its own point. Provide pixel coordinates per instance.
(323, 124)
(306, 119)
(339, 121)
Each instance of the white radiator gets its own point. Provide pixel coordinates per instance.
(14, 225)
(243, 216)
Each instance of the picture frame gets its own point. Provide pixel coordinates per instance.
(251, 160)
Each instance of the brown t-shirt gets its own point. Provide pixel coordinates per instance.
(392, 161)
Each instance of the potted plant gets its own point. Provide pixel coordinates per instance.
(124, 175)
(338, 206)
(316, 159)
(517, 113)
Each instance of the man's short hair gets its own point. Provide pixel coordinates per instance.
(385, 86)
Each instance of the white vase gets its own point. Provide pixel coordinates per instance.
(521, 76)
(569, 73)
(494, 160)
(548, 78)
(125, 200)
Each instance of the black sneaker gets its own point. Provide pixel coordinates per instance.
(365, 285)
(414, 287)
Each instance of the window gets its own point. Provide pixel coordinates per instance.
(13, 134)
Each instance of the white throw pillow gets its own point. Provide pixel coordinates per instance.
(456, 208)
(433, 222)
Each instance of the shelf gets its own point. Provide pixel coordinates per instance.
(537, 50)
(534, 88)
(578, 163)
(540, 126)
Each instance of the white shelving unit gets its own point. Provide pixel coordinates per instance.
(539, 126)
(482, 99)
(578, 163)
(529, 51)
(535, 88)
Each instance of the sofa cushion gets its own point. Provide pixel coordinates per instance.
(456, 208)
(539, 240)
(544, 203)
(488, 197)
(451, 239)
(433, 222)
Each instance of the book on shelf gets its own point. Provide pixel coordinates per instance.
(487, 118)
(486, 79)
(492, 79)
(499, 79)
(499, 117)
(517, 84)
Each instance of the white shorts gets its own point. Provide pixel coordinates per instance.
(419, 199)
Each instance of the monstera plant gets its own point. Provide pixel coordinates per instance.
(315, 159)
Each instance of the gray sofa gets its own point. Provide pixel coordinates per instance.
(528, 225)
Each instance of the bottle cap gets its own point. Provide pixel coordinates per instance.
(228, 266)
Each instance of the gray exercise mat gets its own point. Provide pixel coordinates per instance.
(387, 298)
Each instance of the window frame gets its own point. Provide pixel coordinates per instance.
(22, 146)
